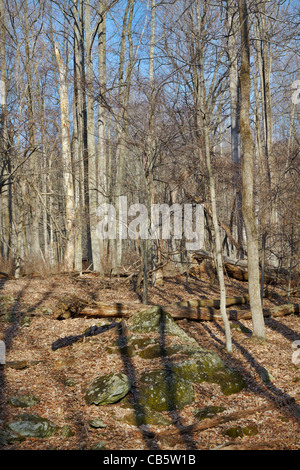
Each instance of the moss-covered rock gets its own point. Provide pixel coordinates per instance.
(265, 375)
(108, 388)
(10, 317)
(145, 416)
(240, 431)
(23, 401)
(66, 431)
(159, 350)
(156, 320)
(122, 346)
(209, 367)
(229, 380)
(29, 425)
(25, 321)
(164, 390)
(69, 382)
(139, 414)
(8, 437)
(238, 326)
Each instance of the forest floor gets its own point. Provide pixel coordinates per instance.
(278, 428)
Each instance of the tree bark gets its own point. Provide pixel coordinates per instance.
(69, 255)
(5, 226)
(217, 236)
(234, 87)
(103, 181)
(76, 308)
(247, 178)
(92, 157)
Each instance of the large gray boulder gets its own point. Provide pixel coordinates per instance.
(162, 390)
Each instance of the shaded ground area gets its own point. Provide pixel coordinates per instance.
(60, 377)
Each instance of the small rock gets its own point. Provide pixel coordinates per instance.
(22, 364)
(107, 389)
(241, 328)
(66, 431)
(32, 426)
(7, 437)
(240, 431)
(25, 321)
(69, 382)
(23, 401)
(97, 423)
(99, 446)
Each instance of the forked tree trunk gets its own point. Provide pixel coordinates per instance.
(234, 88)
(247, 178)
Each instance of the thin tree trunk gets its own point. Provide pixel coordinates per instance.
(34, 225)
(102, 184)
(77, 154)
(4, 193)
(92, 173)
(122, 124)
(217, 235)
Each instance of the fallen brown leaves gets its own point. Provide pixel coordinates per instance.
(269, 406)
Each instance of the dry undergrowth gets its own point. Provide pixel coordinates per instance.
(82, 361)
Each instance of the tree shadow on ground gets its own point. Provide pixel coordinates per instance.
(9, 333)
(139, 408)
(12, 330)
(265, 390)
(129, 369)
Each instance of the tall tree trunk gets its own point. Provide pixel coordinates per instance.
(34, 226)
(234, 87)
(247, 178)
(124, 87)
(69, 255)
(84, 130)
(5, 226)
(92, 156)
(77, 154)
(103, 188)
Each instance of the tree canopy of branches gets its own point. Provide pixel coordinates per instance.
(155, 102)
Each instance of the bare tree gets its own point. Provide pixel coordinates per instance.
(69, 255)
(247, 178)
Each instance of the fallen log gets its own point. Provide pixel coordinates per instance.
(192, 312)
(239, 300)
(241, 274)
(125, 311)
(278, 311)
(234, 268)
(211, 314)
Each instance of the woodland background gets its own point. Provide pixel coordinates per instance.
(143, 98)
